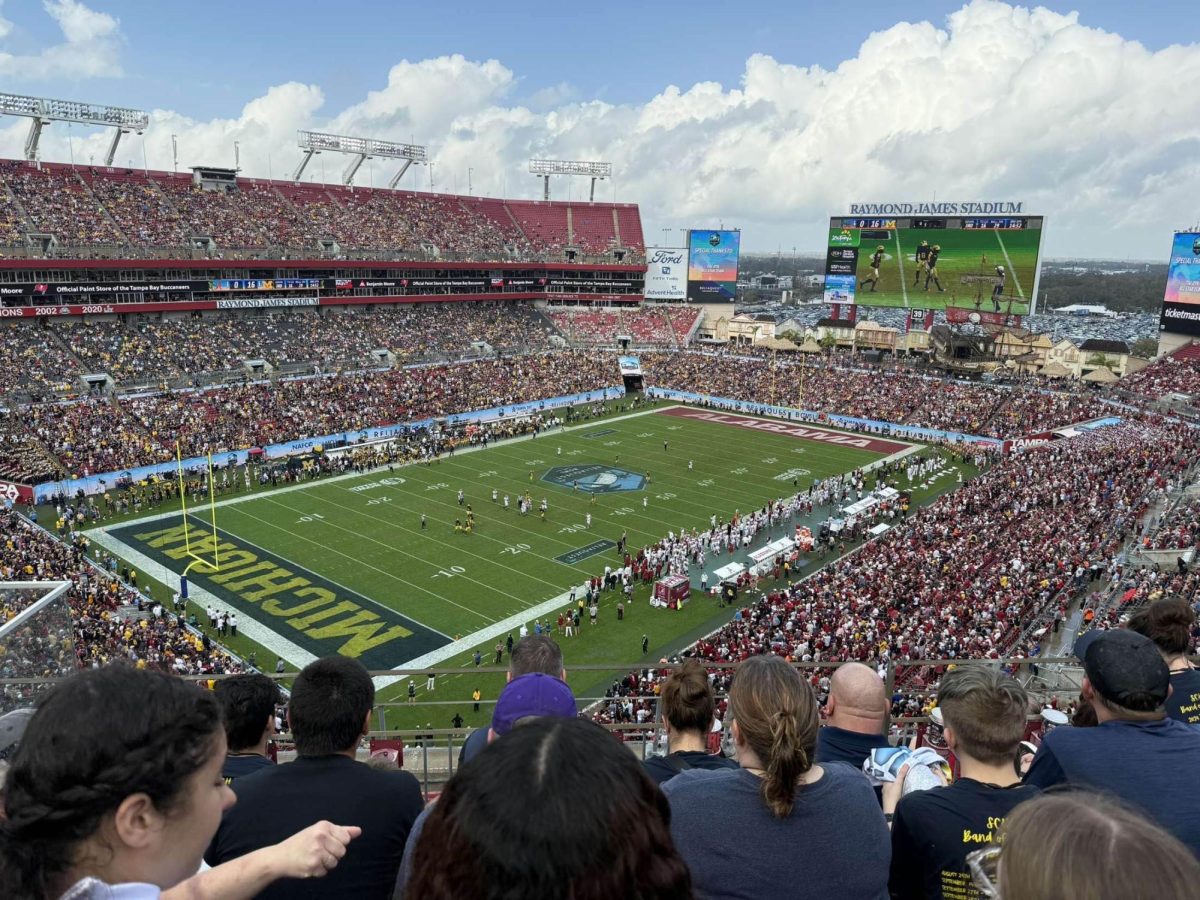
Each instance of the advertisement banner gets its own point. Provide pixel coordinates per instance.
(54, 291)
(98, 309)
(713, 266)
(1181, 300)
(666, 273)
(11, 492)
(630, 365)
(957, 315)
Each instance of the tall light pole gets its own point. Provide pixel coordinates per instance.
(237, 157)
(174, 155)
(470, 190)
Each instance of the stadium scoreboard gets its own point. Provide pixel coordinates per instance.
(1003, 223)
(945, 255)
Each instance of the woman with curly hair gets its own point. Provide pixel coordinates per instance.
(116, 790)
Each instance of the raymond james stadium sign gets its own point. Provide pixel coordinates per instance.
(963, 208)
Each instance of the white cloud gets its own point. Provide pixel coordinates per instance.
(996, 102)
(90, 47)
(80, 24)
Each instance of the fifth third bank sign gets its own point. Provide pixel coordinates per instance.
(666, 273)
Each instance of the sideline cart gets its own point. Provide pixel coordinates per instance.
(672, 591)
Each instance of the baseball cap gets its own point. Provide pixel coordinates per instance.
(12, 726)
(1125, 668)
(533, 694)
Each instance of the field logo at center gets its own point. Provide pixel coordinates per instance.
(595, 478)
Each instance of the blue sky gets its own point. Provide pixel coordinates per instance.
(766, 115)
(182, 56)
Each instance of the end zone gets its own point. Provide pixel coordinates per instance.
(807, 432)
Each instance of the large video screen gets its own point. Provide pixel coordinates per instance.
(986, 264)
(713, 266)
(1181, 302)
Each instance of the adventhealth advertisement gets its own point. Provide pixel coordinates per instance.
(1181, 301)
(666, 273)
(713, 266)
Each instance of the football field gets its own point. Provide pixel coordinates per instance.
(966, 268)
(373, 566)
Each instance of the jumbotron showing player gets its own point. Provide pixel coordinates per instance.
(998, 288)
(931, 271)
(921, 258)
(876, 261)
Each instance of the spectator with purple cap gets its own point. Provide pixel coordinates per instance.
(525, 698)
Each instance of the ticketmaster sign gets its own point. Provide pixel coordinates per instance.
(666, 273)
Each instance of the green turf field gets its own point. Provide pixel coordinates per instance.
(966, 268)
(344, 565)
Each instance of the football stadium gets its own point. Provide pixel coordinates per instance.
(359, 539)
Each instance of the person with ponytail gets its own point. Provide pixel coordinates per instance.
(115, 791)
(779, 825)
(687, 707)
(1170, 624)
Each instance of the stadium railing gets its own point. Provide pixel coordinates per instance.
(432, 753)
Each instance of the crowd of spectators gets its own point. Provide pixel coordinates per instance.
(22, 458)
(888, 395)
(153, 349)
(1178, 373)
(89, 207)
(648, 326)
(32, 361)
(111, 619)
(1179, 528)
(57, 202)
(110, 434)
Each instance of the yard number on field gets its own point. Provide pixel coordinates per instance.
(514, 549)
(314, 517)
(448, 573)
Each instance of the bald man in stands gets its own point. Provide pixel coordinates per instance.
(854, 713)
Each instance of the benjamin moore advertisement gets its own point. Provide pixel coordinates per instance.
(713, 266)
(666, 273)
(1181, 301)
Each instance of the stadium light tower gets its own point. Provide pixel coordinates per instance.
(362, 149)
(44, 111)
(544, 168)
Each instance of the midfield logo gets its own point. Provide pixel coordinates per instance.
(595, 478)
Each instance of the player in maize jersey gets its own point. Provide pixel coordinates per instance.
(931, 268)
(921, 258)
(876, 260)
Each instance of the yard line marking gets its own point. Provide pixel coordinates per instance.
(1007, 259)
(900, 263)
(362, 563)
(363, 537)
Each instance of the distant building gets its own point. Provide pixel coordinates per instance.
(1086, 309)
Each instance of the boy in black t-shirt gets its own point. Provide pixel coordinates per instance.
(933, 831)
